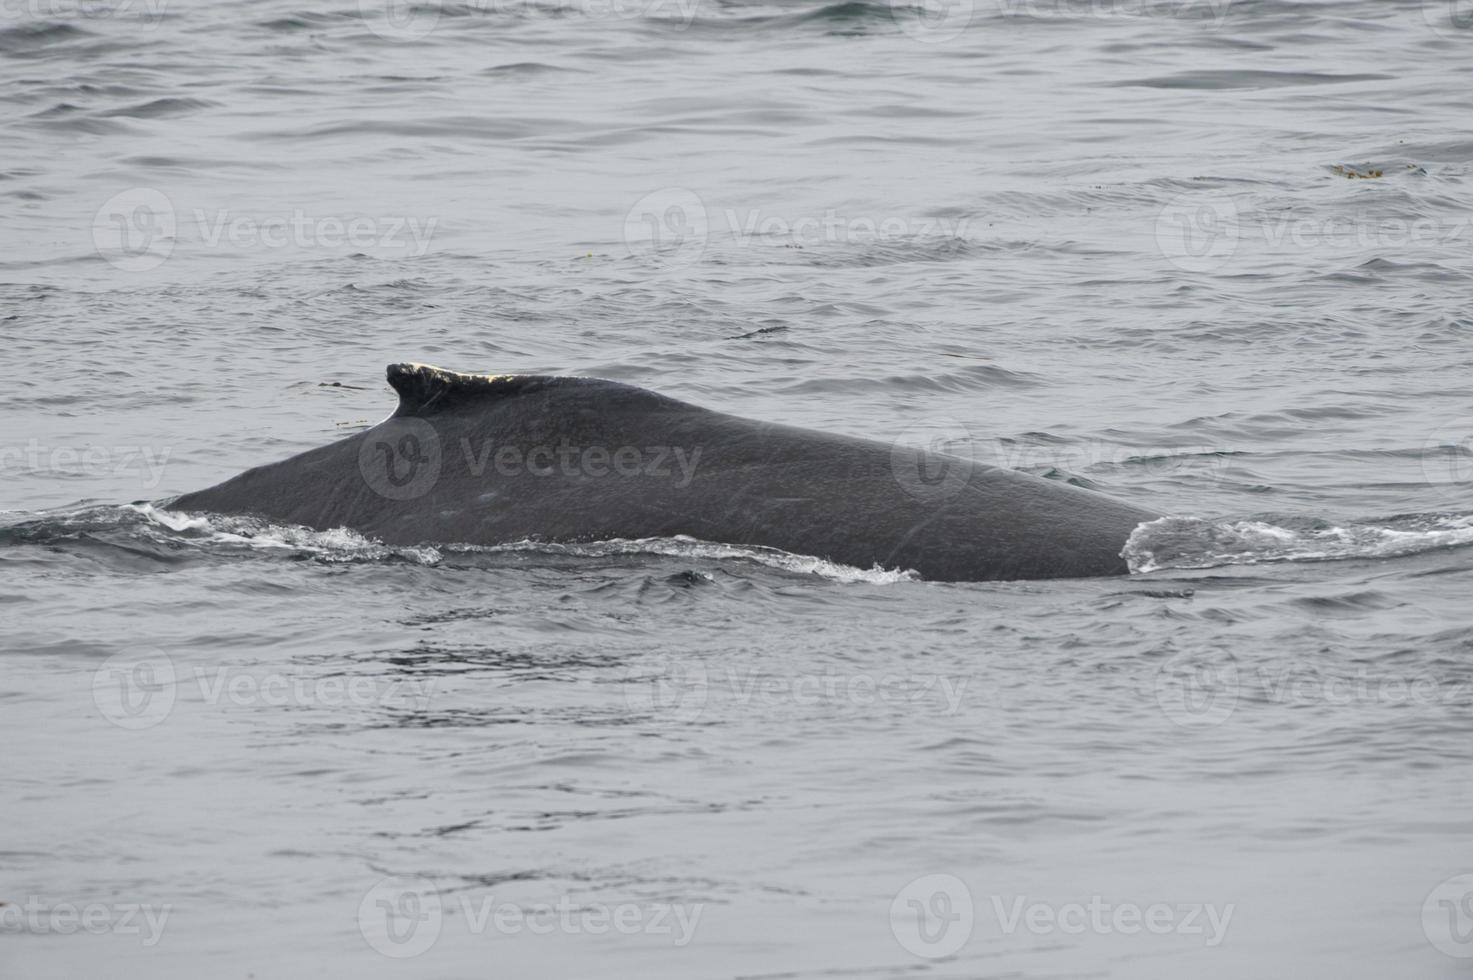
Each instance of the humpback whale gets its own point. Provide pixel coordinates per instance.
(496, 459)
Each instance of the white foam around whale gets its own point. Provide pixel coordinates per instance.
(1167, 543)
(1191, 542)
(342, 544)
(681, 546)
(336, 544)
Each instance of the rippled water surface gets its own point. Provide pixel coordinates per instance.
(1210, 257)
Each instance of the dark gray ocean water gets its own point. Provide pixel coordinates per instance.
(1210, 257)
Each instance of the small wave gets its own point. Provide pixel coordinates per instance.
(27, 37)
(527, 68)
(944, 242)
(302, 20)
(1457, 150)
(1245, 79)
(1190, 542)
(162, 108)
(842, 18)
(845, 11)
(72, 117)
(963, 379)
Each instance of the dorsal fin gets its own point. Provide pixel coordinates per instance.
(424, 389)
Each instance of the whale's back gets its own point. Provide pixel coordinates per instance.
(492, 459)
